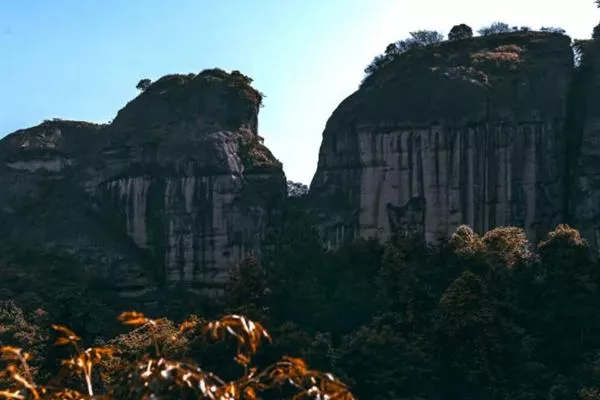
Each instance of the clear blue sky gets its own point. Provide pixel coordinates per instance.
(81, 59)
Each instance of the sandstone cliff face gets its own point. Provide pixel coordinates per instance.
(584, 149)
(173, 191)
(465, 132)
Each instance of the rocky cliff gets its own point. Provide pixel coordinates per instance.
(584, 146)
(464, 132)
(175, 190)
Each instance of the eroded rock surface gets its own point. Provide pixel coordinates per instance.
(467, 132)
(584, 147)
(174, 191)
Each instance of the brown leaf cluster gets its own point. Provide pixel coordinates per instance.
(150, 376)
(504, 245)
(248, 334)
(506, 54)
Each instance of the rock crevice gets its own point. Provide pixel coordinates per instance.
(179, 183)
(457, 133)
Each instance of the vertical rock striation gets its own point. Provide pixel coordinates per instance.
(179, 183)
(465, 132)
(584, 147)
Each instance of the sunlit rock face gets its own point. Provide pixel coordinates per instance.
(173, 192)
(467, 132)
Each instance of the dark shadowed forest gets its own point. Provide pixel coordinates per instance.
(475, 317)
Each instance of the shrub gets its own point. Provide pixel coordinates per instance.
(143, 84)
(552, 29)
(154, 376)
(380, 61)
(508, 48)
(296, 189)
(582, 51)
(596, 32)
(506, 245)
(393, 50)
(465, 241)
(18, 327)
(501, 55)
(425, 37)
(252, 152)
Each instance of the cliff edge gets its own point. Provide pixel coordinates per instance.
(461, 132)
(584, 146)
(174, 191)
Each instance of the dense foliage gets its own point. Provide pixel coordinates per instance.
(128, 371)
(476, 317)
(460, 32)
(487, 316)
(296, 189)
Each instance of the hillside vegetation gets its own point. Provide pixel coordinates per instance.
(476, 317)
(428, 38)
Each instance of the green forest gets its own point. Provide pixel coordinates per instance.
(474, 317)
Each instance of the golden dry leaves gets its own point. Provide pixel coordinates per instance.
(249, 335)
(66, 332)
(68, 336)
(10, 353)
(147, 373)
(25, 382)
(11, 394)
(133, 318)
(86, 359)
(187, 326)
(497, 56)
(312, 384)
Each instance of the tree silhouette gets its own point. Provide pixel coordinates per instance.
(296, 189)
(552, 29)
(494, 29)
(459, 32)
(143, 84)
(417, 39)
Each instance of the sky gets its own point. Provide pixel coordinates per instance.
(81, 59)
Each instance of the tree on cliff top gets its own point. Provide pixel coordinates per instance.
(459, 32)
(553, 29)
(494, 29)
(296, 189)
(417, 39)
(143, 84)
(425, 37)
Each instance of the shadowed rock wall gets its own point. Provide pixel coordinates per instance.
(467, 132)
(174, 191)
